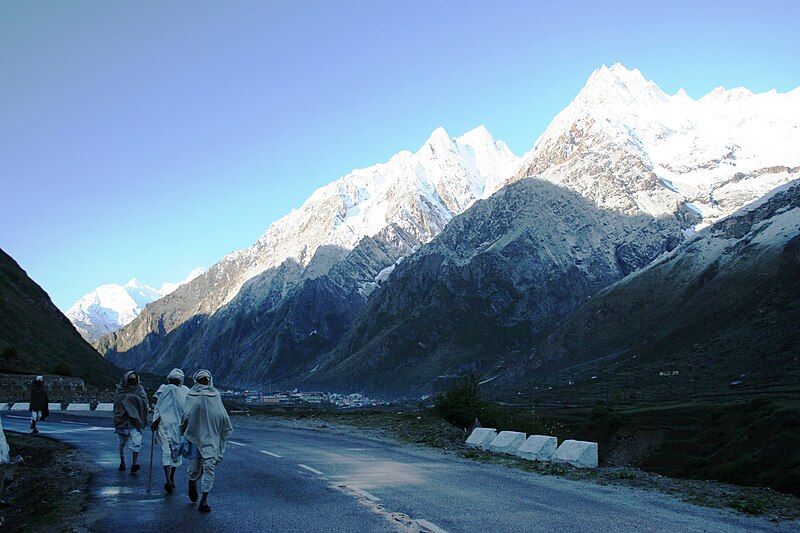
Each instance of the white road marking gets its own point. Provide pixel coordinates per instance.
(78, 423)
(75, 430)
(270, 454)
(365, 494)
(433, 528)
(356, 449)
(314, 470)
(236, 443)
(20, 417)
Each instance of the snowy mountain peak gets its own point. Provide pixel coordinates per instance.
(109, 307)
(618, 86)
(629, 146)
(417, 192)
(439, 138)
(168, 287)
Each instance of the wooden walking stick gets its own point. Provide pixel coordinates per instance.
(152, 445)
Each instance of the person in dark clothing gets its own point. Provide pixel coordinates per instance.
(131, 407)
(38, 404)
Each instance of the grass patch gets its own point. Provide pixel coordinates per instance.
(754, 506)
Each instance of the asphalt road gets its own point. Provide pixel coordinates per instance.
(280, 478)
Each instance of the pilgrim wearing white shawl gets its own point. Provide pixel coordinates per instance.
(167, 418)
(4, 451)
(207, 426)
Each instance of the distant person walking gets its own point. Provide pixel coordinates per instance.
(38, 404)
(130, 416)
(167, 418)
(207, 426)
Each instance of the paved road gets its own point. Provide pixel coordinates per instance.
(281, 478)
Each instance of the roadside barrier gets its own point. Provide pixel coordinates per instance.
(54, 406)
(20, 406)
(78, 407)
(507, 442)
(578, 453)
(538, 448)
(481, 437)
(104, 407)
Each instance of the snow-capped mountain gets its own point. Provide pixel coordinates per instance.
(344, 235)
(629, 146)
(111, 306)
(167, 287)
(418, 192)
(370, 277)
(511, 268)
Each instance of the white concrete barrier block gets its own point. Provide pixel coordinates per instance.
(481, 437)
(21, 406)
(5, 406)
(577, 453)
(104, 407)
(507, 441)
(53, 406)
(78, 407)
(538, 448)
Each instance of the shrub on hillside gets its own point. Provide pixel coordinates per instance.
(9, 354)
(62, 369)
(461, 402)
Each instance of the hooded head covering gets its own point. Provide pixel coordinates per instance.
(206, 422)
(130, 403)
(203, 374)
(170, 408)
(176, 373)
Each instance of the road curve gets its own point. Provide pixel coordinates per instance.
(281, 478)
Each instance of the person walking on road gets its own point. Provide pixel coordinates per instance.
(39, 403)
(207, 426)
(130, 416)
(167, 418)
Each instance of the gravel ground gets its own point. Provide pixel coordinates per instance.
(50, 491)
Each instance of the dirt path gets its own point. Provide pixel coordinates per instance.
(50, 491)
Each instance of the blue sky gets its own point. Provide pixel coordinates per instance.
(144, 139)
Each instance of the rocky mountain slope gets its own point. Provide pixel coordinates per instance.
(35, 337)
(334, 251)
(721, 309)
(111, 306)
(507, 270)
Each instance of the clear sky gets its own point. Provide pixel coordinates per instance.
(144, 139)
